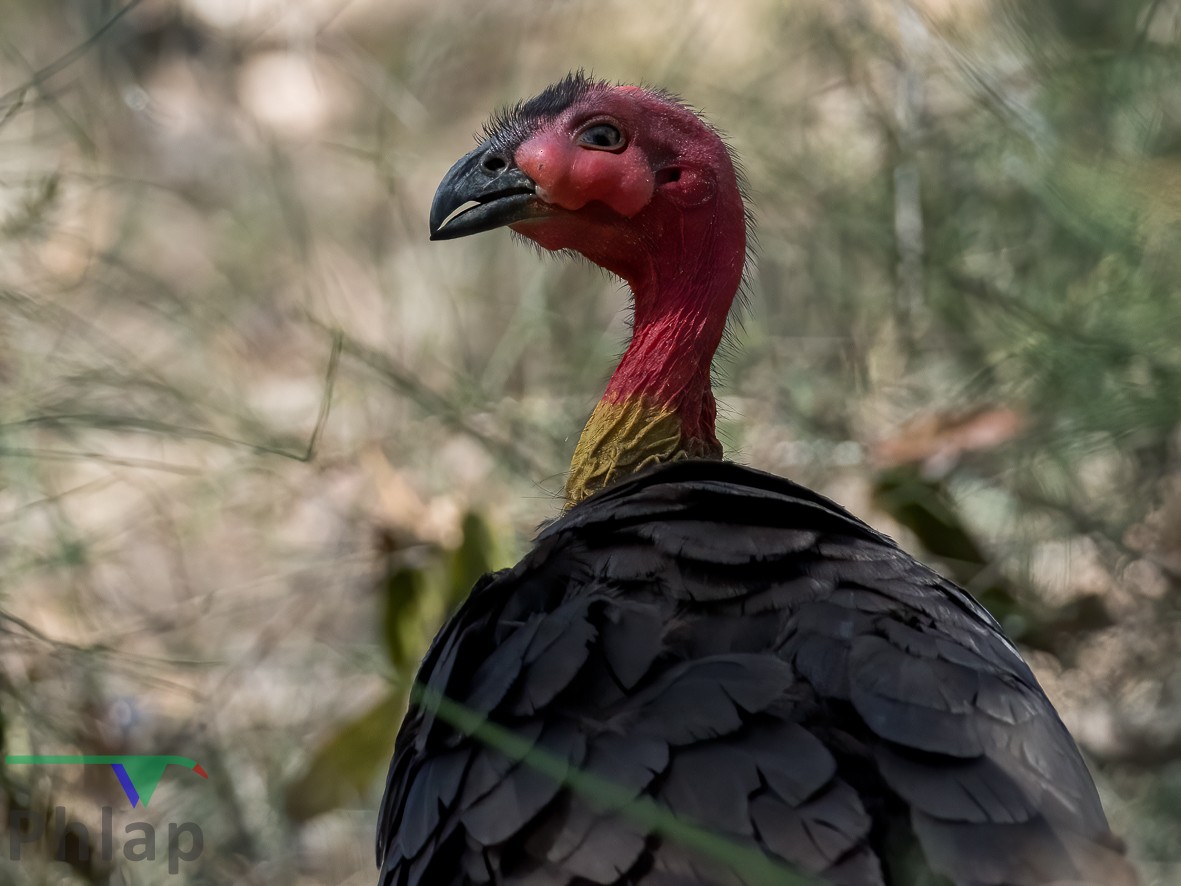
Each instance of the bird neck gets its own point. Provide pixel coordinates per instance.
(659, 405)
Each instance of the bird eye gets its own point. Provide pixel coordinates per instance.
(602, 137)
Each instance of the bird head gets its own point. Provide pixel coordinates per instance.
(629, 177)
(639, 184)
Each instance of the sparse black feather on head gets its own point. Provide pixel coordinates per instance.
(508, 126)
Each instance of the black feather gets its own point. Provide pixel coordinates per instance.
(748, 656)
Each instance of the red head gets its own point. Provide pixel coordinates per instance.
(629, 177)
(640, 185)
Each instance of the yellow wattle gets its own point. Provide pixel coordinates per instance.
(625, 436)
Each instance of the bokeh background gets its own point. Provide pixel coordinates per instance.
(257, 435)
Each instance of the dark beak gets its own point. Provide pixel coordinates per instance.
(484, 190)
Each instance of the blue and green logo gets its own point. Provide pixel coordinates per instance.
(139, 774)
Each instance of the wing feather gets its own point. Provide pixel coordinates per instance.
(750, 658)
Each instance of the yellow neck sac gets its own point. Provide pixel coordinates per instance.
(625, 436)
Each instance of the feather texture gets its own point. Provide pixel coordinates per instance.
(751, 659)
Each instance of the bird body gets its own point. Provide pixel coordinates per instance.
(703, 673)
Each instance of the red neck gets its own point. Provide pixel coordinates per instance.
(681, 302)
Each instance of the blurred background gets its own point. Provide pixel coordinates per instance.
(257, 435)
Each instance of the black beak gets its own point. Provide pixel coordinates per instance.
(484, 190)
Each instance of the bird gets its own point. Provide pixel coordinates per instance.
(702, 673)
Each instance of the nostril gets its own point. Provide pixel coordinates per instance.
(494, 163)
(666, 176)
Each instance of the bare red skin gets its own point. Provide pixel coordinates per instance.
(680, 244)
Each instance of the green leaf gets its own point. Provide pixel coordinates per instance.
(476, 555)
(346, 765)
(403, 593)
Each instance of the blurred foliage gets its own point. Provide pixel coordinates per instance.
(415, 599)
(257, 436)
(345, 766)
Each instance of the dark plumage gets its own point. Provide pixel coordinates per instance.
(723, 645)
(760, 662)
